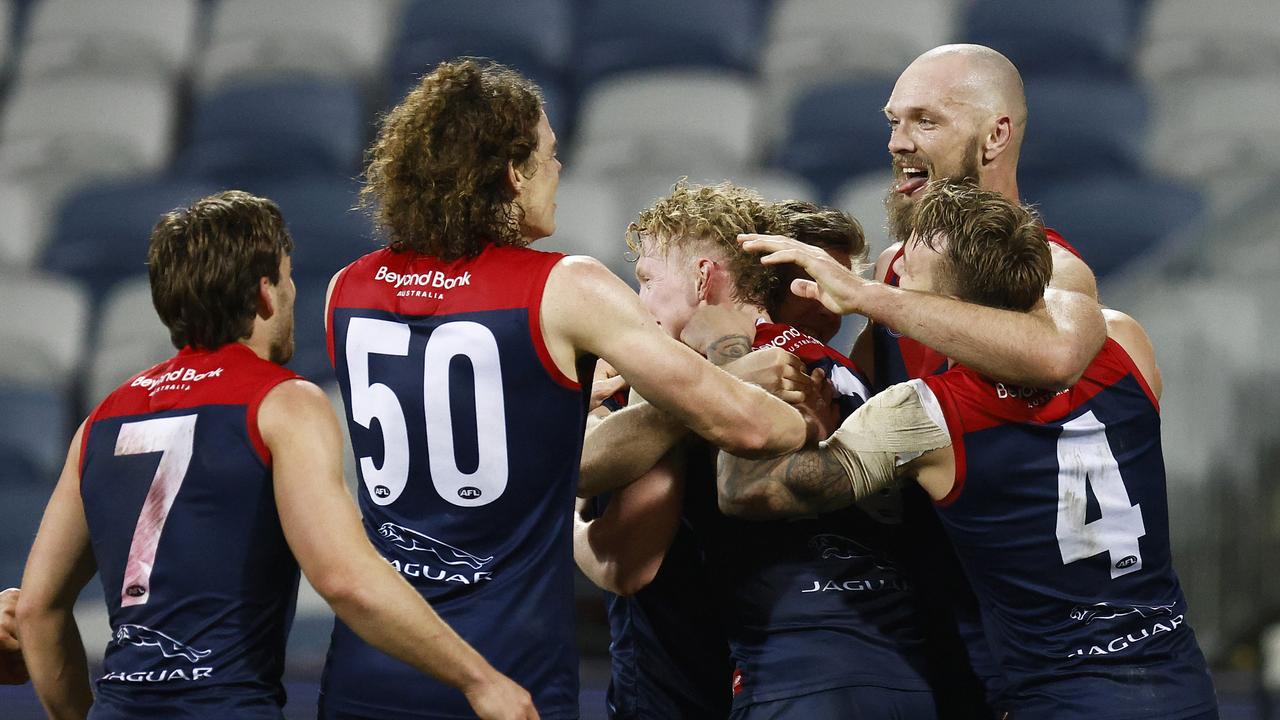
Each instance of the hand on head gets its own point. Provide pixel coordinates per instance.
(838, 288)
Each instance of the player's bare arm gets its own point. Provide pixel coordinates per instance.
(1047, 347)
(60, 564)
(323, 529)
(622, 549)
(807, 482)
(625, 444)
(1133, 338)
(587, 309)
(890, 437)
(13, 671)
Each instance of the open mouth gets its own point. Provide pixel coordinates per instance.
(913, 180)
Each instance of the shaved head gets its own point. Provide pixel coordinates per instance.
(958, 112)
(976, 76)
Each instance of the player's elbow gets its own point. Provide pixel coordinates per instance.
(625, 582)
(1063, 364)
(344, 591)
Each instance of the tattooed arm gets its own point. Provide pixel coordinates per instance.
(807, 482)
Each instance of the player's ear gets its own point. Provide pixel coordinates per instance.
(704, 278)
(515, 178)
(998, 140)
(266, 300)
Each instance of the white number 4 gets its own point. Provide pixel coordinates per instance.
(1085, 460)
(174, 439)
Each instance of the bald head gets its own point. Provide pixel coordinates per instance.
(977, 76)
(957, 112)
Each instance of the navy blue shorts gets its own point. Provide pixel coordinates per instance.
(849, 703)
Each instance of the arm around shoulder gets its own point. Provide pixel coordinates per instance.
(588, 309)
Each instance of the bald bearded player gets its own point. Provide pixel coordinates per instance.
(959, 112)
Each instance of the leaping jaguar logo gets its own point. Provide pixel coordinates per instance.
(414, 541)
(830, 546)
(1106, 611)
(142, 636)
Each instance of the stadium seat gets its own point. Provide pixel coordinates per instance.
(118, 38)
(130, 338)
(20, 515)
(35, 429)
(328, 231)
(532, 36)
(810, 42)
(101, 232)
(133, 118)
(44, 354)
(836, 131)
(260, 40)
(1188, 39)
(1079, 125)
(276, 129)
(617, 36)
(660, 119)
(1044, 37)
(310, 351)
(863, 198)
(1217, 129)
(590, 220)
(6, 36)
(1114, 219)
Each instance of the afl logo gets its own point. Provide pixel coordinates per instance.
(469, 493)
(381, 491)
(1126, 561)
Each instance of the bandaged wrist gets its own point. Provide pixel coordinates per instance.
(891, 429)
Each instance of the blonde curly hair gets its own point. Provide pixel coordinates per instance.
(709, 217)
(436, 176)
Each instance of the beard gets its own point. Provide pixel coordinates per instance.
(281, 349)
(898, 206)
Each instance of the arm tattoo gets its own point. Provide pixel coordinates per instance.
(728, 348)
(806, 482)
(818, 480)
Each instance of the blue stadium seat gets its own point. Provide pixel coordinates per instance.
(1046, 37)
(621, 35)
(101, 232)
(327, 231)
(310, 352)
(1082, 126)
(35, 428)
(532, 36)
(1115, 219)
(836, 131)
(276, 129)
(20, 516)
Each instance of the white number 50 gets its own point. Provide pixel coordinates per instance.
(365, 337)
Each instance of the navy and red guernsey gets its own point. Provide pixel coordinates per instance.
(817, 603)
(468, 440)
(1060, 518)
(199, 581)
(964, 665)
(669, 657)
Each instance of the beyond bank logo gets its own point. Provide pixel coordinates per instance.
(427, 284)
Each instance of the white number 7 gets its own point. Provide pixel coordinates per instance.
(1085, 460)
(174, 439)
